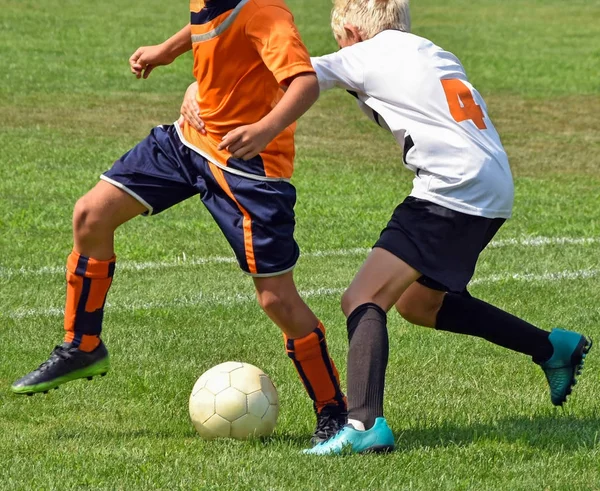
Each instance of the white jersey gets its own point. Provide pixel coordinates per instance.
(420, 93)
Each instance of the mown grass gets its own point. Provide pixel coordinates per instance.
(467, 415)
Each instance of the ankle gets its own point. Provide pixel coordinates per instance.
(85, 342)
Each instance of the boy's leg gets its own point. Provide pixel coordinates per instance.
(560, 353)
(380, 282)
(464, 314)
(153, 176)
(257, 218)
(90, 269)
(448, 247)
(306, 346)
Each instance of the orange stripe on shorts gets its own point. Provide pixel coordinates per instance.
(247, 221)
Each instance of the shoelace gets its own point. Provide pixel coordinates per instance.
(329, 423)
(58, 352)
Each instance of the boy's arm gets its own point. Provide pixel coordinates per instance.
(342, 69)
(248, 141)
(345, 69)
(145, 58)
(301, 93)
(275, 37)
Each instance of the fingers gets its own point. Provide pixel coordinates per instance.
(135, 56)
(136, 69)
(243, 150)
(191, 113)
(229, 140)
(138, 64)
(240, 144)
(193, 117)
(194, 121)
(141, 70)
(247, 155)
(197, 122)
(135, 64)
(147, 70)
(245, 142)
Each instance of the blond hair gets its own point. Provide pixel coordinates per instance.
(370, 16)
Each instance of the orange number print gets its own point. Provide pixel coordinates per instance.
(461, 103)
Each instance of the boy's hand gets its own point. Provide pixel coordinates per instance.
(248, 141)
(146, 58)
(190, 111)
(143, 61)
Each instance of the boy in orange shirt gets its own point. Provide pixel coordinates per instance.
(240, 164)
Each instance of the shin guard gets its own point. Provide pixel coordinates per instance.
(88, 281)
(316, 368)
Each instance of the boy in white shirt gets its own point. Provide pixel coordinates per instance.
(462, 193)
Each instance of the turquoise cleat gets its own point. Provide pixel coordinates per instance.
(379, 438)
(565, 364)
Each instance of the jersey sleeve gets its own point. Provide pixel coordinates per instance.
(342, 69)
(277, 40)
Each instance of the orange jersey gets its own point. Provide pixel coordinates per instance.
(243, 51)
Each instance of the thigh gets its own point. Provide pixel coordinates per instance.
(382, 279)
(157, 172)
(256, 217)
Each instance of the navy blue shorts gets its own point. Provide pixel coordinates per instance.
(256, 216)
(441, 244)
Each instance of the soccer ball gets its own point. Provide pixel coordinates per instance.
(235, 400)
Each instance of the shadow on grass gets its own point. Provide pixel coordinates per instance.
(121, 434)
(543, 432)
(127, 434)
(546, 432)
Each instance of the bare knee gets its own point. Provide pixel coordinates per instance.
(420, 310)
(348, 302)
(89, 221)
(354, 297)
(271, 302)
(415, 314)
(279, 298)
(285, 307)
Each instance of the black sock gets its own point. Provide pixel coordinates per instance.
(367, 361)
(464, 314)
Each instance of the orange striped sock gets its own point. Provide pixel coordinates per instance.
(316, 368)
(88, 282)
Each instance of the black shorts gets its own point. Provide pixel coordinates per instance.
(441, 244)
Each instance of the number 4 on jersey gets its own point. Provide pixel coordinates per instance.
(461, 103)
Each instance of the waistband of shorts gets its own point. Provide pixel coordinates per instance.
(222, 166)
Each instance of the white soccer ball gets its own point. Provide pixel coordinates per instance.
(234, 400)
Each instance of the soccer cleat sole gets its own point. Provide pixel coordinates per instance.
(99, 368)
(347, 450)
(379, 449)
(577, 360)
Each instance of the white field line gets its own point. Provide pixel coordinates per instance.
(183, 260)
(228, 300)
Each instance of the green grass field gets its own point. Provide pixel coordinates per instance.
(466, 414)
